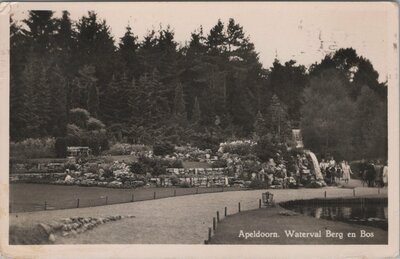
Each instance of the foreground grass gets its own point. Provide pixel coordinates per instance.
(32, 197)
(277, 220)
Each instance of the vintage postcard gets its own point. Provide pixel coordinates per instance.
(199, 129)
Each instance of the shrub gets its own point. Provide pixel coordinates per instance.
(33, 148)
(163, 148)
(136, 168)
(74, 131)
(205, 141)
(108, 173)
(94, 124)
(118, 149)
(61, 147)
(157, 166)
(257, 184)
(176, 164)
(219, 163)
(174, 181)
(79, 117)
(242, 148)
(184, 185)
(265, 149)
(70, 166)
(251, 166)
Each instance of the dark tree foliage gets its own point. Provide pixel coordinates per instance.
(211, 89)
(163, 148)
(288, 82)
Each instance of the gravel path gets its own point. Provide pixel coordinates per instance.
(176, 220)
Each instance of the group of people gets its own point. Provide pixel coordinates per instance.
(298, 171)
(334, 172)
(373, 173)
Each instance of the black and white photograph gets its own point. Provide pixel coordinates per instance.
(201, 123)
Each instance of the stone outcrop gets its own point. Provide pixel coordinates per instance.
(75, 225)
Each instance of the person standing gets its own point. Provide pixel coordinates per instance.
(346, 172)
(323, 165)
(385, 175)
(379, 170)
(332, 162)
(371, 174)
(363, 171)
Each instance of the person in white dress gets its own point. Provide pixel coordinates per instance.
(346, 171)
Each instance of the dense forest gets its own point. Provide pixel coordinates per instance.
(73, 81)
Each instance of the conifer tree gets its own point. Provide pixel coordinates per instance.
(260, 126)
(196, 114)
(278, 119)
(58, 102)
(93, 100)
(179, 104)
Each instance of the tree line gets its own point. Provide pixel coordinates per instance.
(210, 89)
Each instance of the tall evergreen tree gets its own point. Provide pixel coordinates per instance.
(128, 48)
(278, 120)
(179, 103)
(41, 31)
(96, 48)
(216, 38)
(58, 101)
(93, 100)
(260, 126)
(196, 114)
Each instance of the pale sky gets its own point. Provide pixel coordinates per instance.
(304, 32)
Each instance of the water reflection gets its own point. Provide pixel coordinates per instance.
(375, 215)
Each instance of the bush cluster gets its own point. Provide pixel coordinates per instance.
(163, 148)
(118, 149)
(154, 166)
(33, 148)
(241, 148)
(257, 184)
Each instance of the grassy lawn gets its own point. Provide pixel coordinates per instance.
(32, 197)
(269, 220)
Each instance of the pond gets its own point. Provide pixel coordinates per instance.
(364, 213)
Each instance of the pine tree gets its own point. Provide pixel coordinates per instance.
(76, 94)
(142, 111)
(82, 85)
(18, 51)
(128, 44)
(29, 116)
(179, 104)
(196, 114)
(93, 100)
(216, 39)
(58, 102)
(158, 99)
(260, 126)
(136, 100)
(128, 48)
(41, 31)
(110, 101)
(235, 36)
(95, 47)
(278, 119)
(43, 98)
(124, 91)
